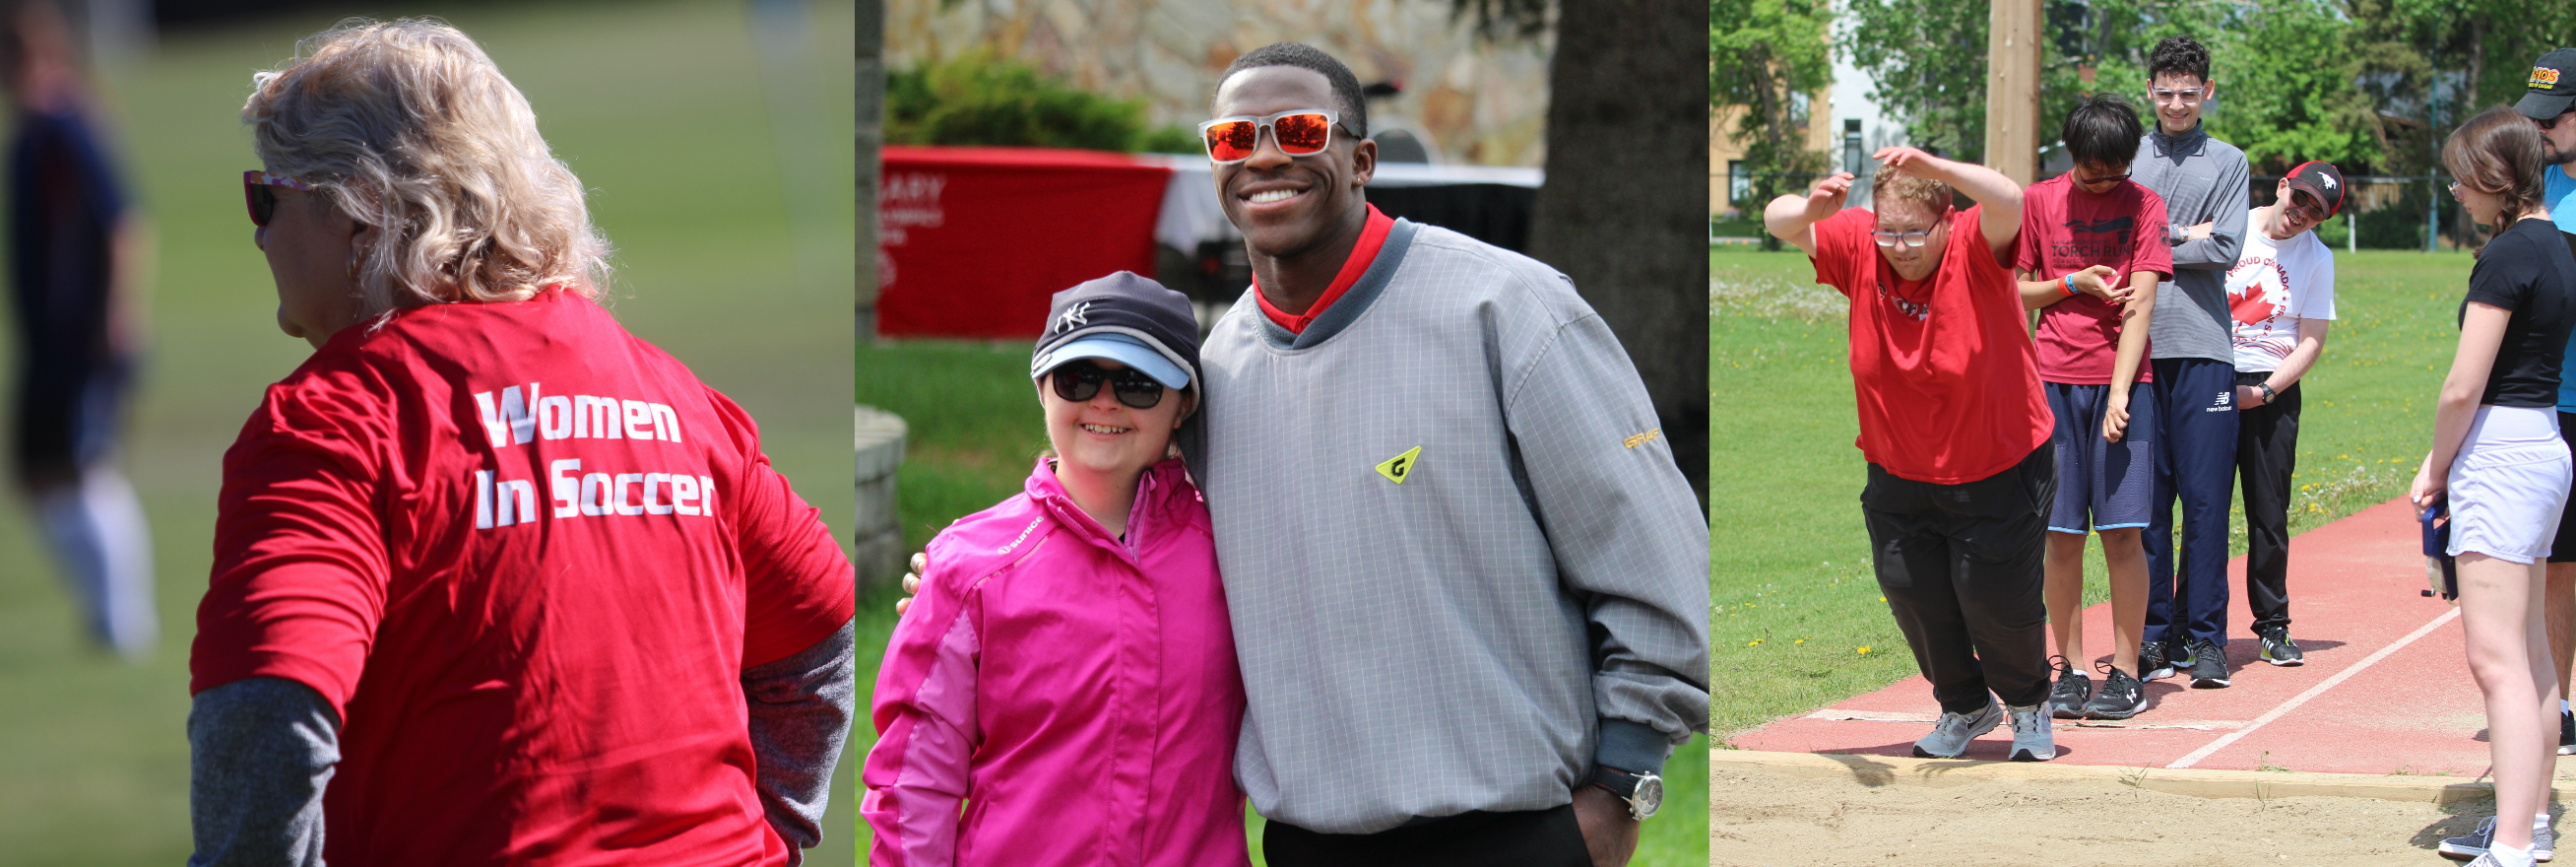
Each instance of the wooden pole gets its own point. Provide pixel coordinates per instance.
(2012, 89)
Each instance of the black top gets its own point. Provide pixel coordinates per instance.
(2527, 269)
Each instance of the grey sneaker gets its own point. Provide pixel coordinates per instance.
(1949, 738)
(2032, 741)
(2544, 842)
(2278, 649)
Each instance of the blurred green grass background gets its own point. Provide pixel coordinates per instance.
(975, 433)
(1798, 623)
(662, 109)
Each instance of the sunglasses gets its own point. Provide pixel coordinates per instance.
(2306, 209)
(1299, 133)
(261, 199)
(1080, 381)
(2552, 123)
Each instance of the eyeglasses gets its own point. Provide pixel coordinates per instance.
(1886, 238)
(2305, 209)
(262, 200)
(2189, 96)
(1080, 381)
(1303, 132)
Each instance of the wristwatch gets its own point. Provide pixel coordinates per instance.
(2268, 394)
(1643, 792)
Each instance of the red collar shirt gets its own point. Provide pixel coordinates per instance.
(525, 556)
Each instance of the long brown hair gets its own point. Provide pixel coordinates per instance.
(2498, 152)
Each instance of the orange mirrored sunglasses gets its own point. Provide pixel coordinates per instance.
(1302, 132)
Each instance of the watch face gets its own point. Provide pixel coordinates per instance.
(1649, 797)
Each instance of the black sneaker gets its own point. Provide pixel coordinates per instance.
(2278, 649)
(2178, 650)
(2566, 733)
(2152, 664)
(2121, 697)
(2073, 689)
(2209, 665)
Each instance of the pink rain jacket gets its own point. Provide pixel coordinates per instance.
(1077, 693)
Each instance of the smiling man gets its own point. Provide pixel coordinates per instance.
(1468, 582)
(2203, 184)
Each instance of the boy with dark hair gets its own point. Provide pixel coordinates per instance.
(2090, 256)
(2203, 182)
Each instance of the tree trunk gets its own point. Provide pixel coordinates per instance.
(1625, 205)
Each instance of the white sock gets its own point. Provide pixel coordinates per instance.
(2540, 823)
(2563, 708)
(2509, 856)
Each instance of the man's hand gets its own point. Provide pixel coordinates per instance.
(2200, 231)
(911, 584)
(1911, 160)
(2095, 280)
(2248, 397)
(2115, 416)
(1608, 831)
(1826, 199)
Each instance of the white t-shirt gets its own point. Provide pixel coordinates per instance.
(2273, 286)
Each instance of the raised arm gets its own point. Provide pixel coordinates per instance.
(2000, 197)
(1792, 218)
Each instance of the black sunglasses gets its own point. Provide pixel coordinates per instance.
(1079, 381)
(2552, 123)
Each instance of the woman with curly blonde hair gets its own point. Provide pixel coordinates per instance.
(494, 581)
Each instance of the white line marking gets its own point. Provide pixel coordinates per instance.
(2314, 691)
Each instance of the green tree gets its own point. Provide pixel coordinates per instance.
(1764, 55)
(979, 99)
(1927, 62)
(2287, 93)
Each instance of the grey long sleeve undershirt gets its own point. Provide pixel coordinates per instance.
(262, 750)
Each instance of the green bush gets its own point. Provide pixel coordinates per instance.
(980, 99)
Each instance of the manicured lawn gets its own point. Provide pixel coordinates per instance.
(1798, 622)
(659, 108)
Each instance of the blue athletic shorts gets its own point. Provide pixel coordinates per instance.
(2101, 485)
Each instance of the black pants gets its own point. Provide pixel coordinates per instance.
(1961, 566)
(2267, 449)
(1536, 838)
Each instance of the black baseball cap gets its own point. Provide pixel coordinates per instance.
(2553, 85)
(2322, 180)
(1125, 318)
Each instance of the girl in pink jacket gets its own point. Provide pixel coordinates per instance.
(1064, 691)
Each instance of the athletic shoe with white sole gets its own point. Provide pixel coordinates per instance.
(2152, 664)
(2121, 697)
(2474, 844)
(2278, 649)
(2208, 666)
(2073, 689)
(2032, 740)
(2178, 650)
(1950, 736)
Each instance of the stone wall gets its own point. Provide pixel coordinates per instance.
(1471, 100)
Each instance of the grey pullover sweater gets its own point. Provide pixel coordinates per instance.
(2202, 180)
(1461, 563)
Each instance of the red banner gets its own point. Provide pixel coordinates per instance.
(973, 241)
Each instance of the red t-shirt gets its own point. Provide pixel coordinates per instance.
(1372, 237)
(525, 556)
(2065, 229)
(1941, 366)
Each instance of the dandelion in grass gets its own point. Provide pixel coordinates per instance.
(1864, 650)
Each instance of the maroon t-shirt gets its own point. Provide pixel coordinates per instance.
(526, 557)
(2065, 229)
(1940, 366)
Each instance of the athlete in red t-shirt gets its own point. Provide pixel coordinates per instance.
(2091, 255)
(495, 582)
(1954, 428)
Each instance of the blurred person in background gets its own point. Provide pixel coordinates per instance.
(495, 581)
(76, 253)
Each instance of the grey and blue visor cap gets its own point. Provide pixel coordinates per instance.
(1119, 348)
(1148, 322)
